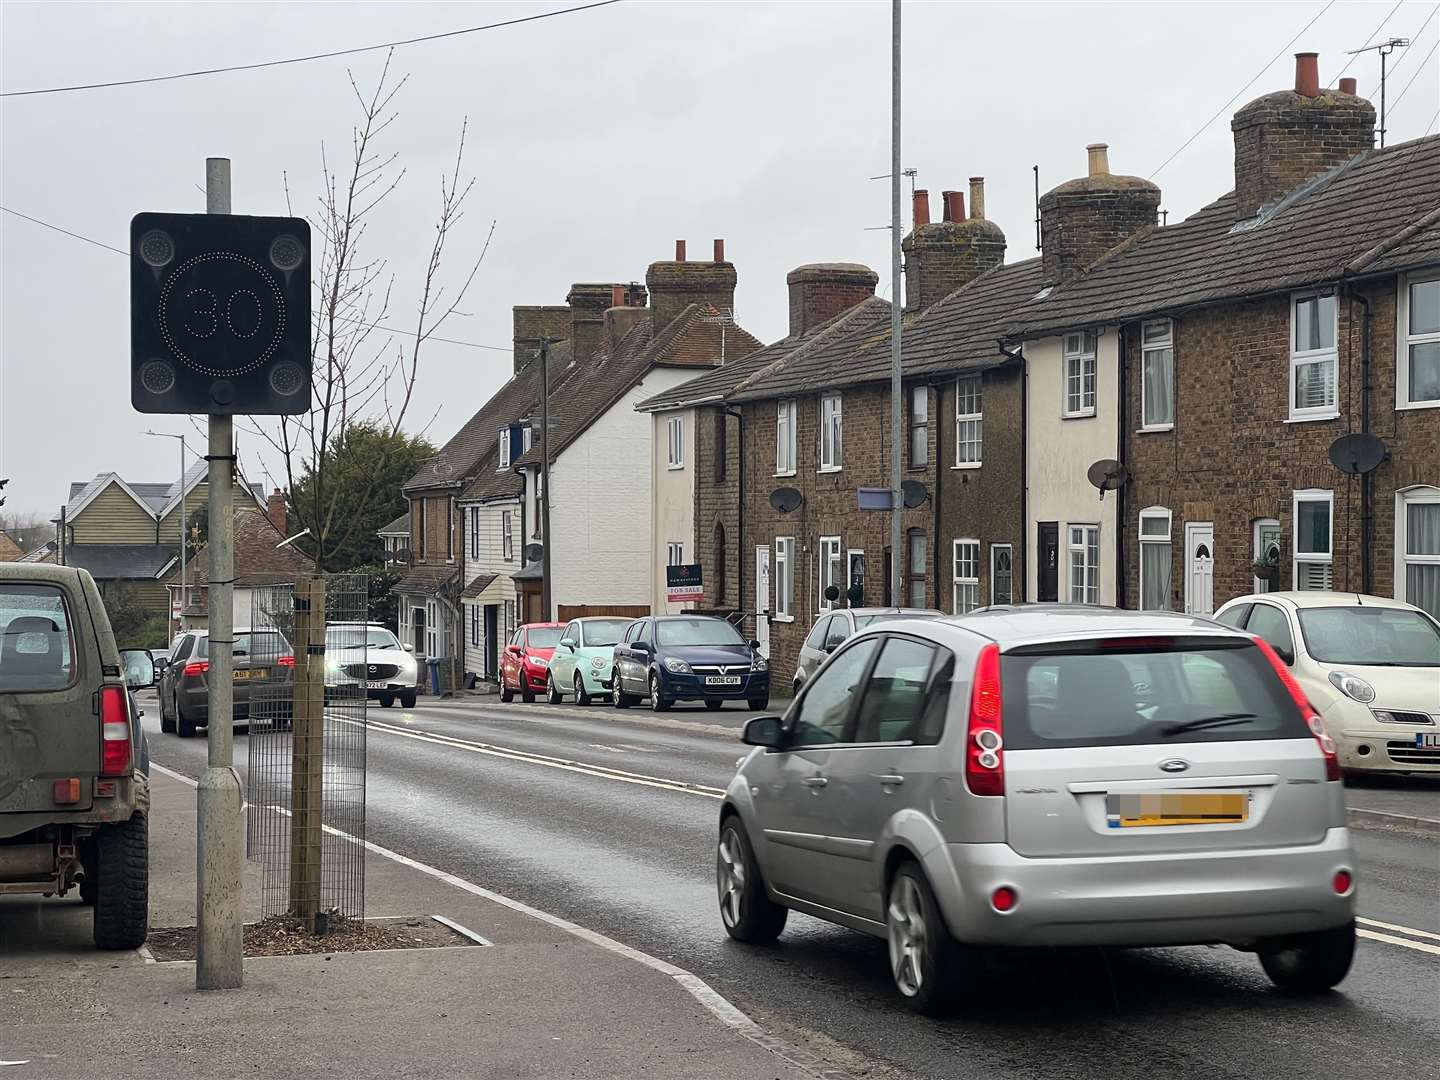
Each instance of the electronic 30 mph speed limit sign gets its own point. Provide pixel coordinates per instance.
(219, 314)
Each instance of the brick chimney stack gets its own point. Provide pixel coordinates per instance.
(941, 256)
(820, 291)
(533, 323)
(1083, 219)
(675, 285)
(275, 511)
(627, 307)
(1284, 139)
(588, 303)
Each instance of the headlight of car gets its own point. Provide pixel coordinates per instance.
(677, 667)
(1352, 686)
(597, 663)
(761, 664)
(332, 670)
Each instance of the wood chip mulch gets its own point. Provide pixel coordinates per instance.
(280, 935)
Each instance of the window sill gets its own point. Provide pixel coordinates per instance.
(787, 473)
(830, 469)
(1152, 429)
(675, 468)
(1408, 405)
(782, 618)
(1312, 419)
(966, 465)
(1088, 414)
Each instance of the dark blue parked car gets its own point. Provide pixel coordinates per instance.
(670, 658)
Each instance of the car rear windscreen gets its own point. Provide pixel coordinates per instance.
(1152, 691)
(35, 647)
(262, 645)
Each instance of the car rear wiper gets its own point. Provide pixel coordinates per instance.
(1222, 720)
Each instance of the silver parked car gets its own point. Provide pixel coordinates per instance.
(1046, 775)
(834, 628)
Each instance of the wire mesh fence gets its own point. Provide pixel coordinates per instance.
(305, 784)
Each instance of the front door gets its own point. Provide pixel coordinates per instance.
(1199, 568)
(1048, 568)
(492, 640)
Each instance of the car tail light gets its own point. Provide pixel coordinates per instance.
(984, 743)
(1003, 898)
(286, 661)
(197, 667)
(114, 732)
(1341, 882)
(1307, 711)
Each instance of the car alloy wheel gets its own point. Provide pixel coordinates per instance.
(746, 910)
(730, 877)
(581, 697)
(553, 696)
(658, 701)
(908, 935)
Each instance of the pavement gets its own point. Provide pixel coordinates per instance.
(544, 999)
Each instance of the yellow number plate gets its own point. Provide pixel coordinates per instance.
(1176, 808)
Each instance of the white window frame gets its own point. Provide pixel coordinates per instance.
(1155, 513)
(1298, 557)
(507, 535)
(832, 433)
(918, 422)
(785, 437)
(432, 630)
(1404, 499)
(1084, 548)
(675, 443)
(964, 556)
(674, 553)
(1259, 585)
(1079, 350)
(505, 456)
(1404, 339)
(473, 520)
(1159, 345)
(832, 554)
(528, 438)
(966, 422)
(1315, 356)
(474, 625)
(995, 550)
(784, 579)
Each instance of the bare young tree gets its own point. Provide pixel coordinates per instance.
(361, 374)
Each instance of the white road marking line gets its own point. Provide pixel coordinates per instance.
(1419, 946)
(1398, 929)
(712, 1000)
(463, 931)
(603, 772)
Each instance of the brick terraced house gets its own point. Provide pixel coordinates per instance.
(1299, 309)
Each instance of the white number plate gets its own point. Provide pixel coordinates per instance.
(376, 685)
(722, 680)
(1427, 740)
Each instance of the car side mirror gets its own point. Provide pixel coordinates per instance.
(567, 643)
(514, 650)
(641, 646)
(408, 647)
(139, 668)
(754, 644)
(766, 731)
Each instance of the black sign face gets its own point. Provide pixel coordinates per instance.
(219, 314)
(684, 582)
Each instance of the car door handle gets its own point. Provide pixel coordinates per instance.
(815, 781)
(891, 781)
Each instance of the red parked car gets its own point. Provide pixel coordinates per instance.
(527, 660)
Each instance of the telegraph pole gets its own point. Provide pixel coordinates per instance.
(544, 507)
(897, 557)
(220, 850)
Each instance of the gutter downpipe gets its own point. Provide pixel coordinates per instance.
(1121, 584)
(1367, 510)
(1019, 356)
(939, 476)
(739, 510)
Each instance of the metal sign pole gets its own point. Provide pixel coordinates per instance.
(897, 554)
(219, 799)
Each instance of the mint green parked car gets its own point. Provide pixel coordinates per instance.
(582, 663)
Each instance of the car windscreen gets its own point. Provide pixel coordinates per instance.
(1130, 692)
(1386, 637)
(600, 632)
(374, 637)
(675, 632)
(36, 652)
(545, 637)
(261, 645)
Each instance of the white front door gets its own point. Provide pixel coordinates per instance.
(1200, 568)
(762, 598)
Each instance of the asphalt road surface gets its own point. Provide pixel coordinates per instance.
(611, 823)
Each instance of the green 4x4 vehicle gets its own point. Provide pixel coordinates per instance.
(74, 783)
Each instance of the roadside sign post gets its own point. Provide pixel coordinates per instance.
(684, 584)
(219, 324)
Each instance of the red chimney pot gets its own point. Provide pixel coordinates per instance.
(1347, 86)
(954, 205)
(1307, 74)
(921, 201)
(617, 295)
(679, 250)
(719, 250)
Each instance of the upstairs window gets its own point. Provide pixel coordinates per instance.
(505, 457)
(1418, 377)
(969, 422)
(1314, 363)
(1157, 376)
(919, 426)
(1313, 567)
(675, 450)
(422, 530)
(507, 535)
(674, 553)
(1080, 374)
(785, 438)
(473, 528)
(830, 434)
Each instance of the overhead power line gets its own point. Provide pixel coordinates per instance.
(357, 322)
(306, 59)
(1253, 79)
(1400, 96)
(1355, 54)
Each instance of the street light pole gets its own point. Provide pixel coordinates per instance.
(897, 557)
(181, 437)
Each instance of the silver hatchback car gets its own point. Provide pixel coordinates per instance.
(833, 628)
(1046, 775)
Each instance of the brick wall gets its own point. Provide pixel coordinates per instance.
(1232, 459)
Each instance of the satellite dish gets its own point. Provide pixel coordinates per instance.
(785, 500)
(1107, 474)
(913, 493)
(534, 552)
(1357, 453)
(832, 593)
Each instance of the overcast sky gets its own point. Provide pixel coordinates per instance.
(597, 139)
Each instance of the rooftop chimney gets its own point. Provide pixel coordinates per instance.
(275, 511)
(674, 285)
(533, 323)
(820, 291)
(627, 307)
(1083, 219)
(1284, 139)
(588, 304)
(942, 256)
(977, 198)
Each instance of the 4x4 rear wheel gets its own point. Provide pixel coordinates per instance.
(183, 727)
(1309, 963)
(122, 883)
(745, 908)
(407, 699)
(923, 955)
(167, 723)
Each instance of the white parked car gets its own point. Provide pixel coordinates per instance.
(1370, 665)
(367, 658)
